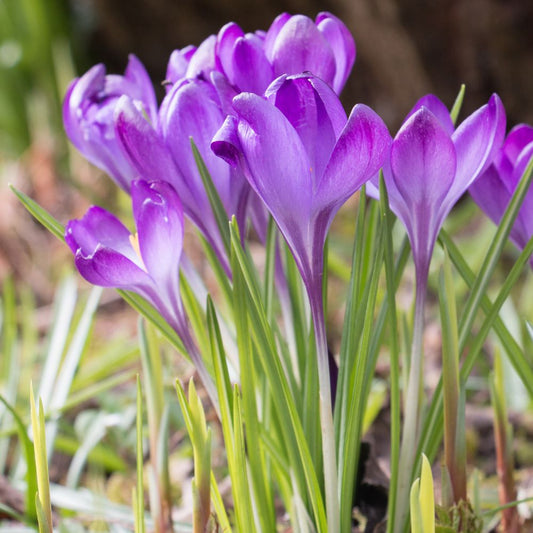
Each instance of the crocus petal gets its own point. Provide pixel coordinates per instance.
(491, 194)
(300, 47)
(273, 32)
(78, 91)
(226, 142)
(226, 92)
(343, 45)
(435, 105)
(88, 113)
(276, 158)
(360, 152)
(423, 160)
(423, 165)
(178, 64)
(314, 111)
(142, 144)
(251, 70)
(194, 111)
(517, 139)
(136, 73)
(523, 227)
(107, 268)
(159, 220)
(476, 141)
(225, 43)
(203, 61)
(99, 227)
(104, 254)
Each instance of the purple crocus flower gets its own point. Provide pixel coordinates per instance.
(88, 115)
(190, 109)
(107, 254)
(303, 157)
(326, 48)
(147, 263)
(494, 188)
(432, 164)
(251, 61)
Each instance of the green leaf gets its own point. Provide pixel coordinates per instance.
(261, 482)
(426, 497)
(395, 400)
(456, 108)
(42, 216)
(29, 455)
(416, 517)
(432, 428)
(292, 437)
(152, 315)
(42, 497)
(454, 435)
(221, 216)
(231, 427)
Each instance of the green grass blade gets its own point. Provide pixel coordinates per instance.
(454, 434)
(514, 352)
(150, 313)
(458, 104)
(221, 216)
(29, 455)
(262, 485)
(290, 423)
(432, 428)
(395, 400)
(230, 419)
(40, 214)
(42, 497)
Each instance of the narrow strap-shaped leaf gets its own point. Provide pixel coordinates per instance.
(44, 217)
(493, 254)
(149, 312)
(454, 435)
(42, 497)
(284, 403)
(262, 489)
(357, 392)
(432, 427)
(516, 356)
(456, 108)
(395, 401)
(29, 454)
(231, 419)
(221, 216)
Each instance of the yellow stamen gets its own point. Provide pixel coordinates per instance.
(134, 241)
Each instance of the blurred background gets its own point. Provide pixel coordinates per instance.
(405, 48)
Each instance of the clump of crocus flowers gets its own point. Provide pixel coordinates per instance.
(259, 113)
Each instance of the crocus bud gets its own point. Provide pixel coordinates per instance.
(251, 61)
(326, 48)
(88, 115)
(432, 165)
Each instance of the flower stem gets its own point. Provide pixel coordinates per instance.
(326, 413)
(411, 425)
